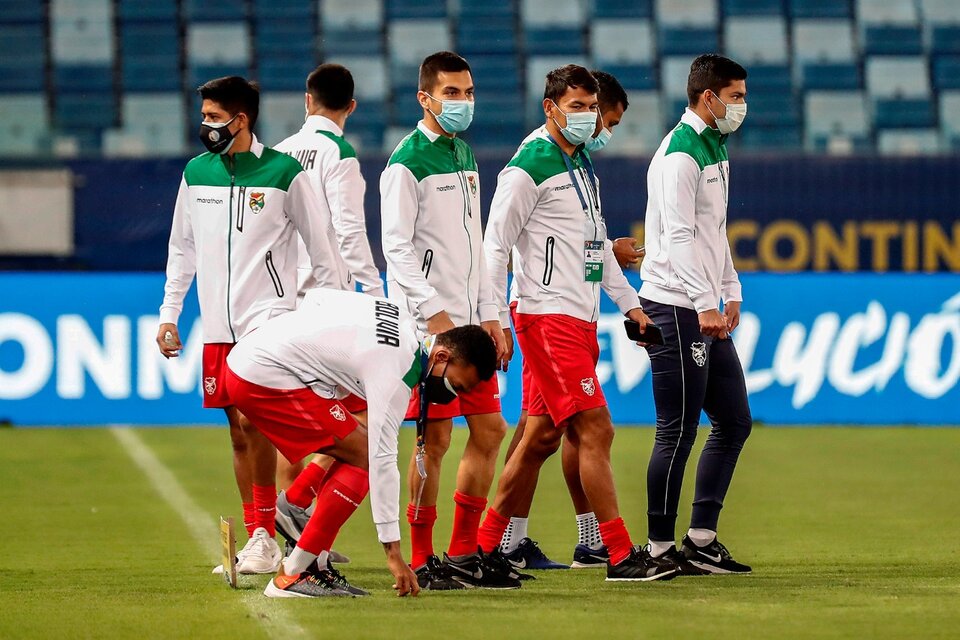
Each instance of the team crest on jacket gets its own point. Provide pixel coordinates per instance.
(210, 385)
(473, 184)
(699, 352)
(588, 386)
(256, 201)
(338, 413)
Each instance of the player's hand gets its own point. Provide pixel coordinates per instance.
(627, 253)
(508, 355)
(731, 311)
(713, 324)
(168, 339)
(493, 329)
(439, 322)
(642, 319)
(405, 580)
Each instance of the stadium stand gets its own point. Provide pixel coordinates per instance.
(79, 76)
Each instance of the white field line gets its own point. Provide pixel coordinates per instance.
(275, 621)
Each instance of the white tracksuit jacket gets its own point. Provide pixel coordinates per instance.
(331, 162)
(688, 262)
(432, 233)
(235, 227)
(369, 347)
(536, 209)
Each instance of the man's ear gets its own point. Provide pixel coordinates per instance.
(424, 100)
(441, 355)
(352, 107)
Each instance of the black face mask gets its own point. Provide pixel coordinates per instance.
(437, 389)
(216, 136)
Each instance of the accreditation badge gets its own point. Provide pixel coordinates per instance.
(593, 260)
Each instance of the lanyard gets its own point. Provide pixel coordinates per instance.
(573, 177)
(422, 428)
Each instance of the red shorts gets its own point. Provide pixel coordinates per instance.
(214, 367)
(561, 353)
(354, 403)
(483, 398)
(525, 379)
(297, 421)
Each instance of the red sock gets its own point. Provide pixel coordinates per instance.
(617, 540)
(306, 487)
(265, 507)
(466, 521)
(491, 531)
(421, 533)
(344, 489)
(249, 518)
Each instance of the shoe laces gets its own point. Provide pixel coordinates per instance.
(722, 550)
(532, 550)
(334, 577)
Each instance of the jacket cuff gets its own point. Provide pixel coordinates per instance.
(629, 302)
(705, 302)
(488, 311)
(376, 292)
(504, 319)
(732, 293)
(388, 531)
(169, 315)
(430, 307)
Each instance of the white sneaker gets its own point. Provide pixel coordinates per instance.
(261, 554)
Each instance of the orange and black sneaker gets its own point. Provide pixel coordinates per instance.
(307, 584)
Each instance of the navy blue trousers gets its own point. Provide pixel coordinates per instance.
(692, 373)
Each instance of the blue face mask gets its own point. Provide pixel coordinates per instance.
(455, 115)
(580, 125)
(595, 144)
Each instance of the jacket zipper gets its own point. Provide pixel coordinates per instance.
(468, 210)
(274, 276)
(241, 192)
(233, 181)
(592, 207)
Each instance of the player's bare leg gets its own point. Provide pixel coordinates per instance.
(287, 472)
(517, 436)
(589, 552)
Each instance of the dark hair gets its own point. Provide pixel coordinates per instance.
(571, 76)
(470, 344)
(331, 85)
(611, 91)
(435, 63)
(234, 94)
(712, 71)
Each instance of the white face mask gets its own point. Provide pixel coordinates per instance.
(580, 125)
(595, 144)
(736, 113)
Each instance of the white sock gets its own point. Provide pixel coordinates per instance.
(298, 561)
(514, 535)
(588, 530)
(657, 549)
(701, 537)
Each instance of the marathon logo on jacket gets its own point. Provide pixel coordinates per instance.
(388, 323)
(209, 201)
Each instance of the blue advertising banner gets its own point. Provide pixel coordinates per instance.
(816, 349)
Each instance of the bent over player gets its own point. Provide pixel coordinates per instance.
(288, 376)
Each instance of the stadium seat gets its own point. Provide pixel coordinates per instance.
(336, 41)
(940, 11)
(218, 43)
(633, 77)
(499, 122)
(213, 11)
(552, 13)
(949, 123)
(839, 76)
(622, 42)
(835, 115)
(691, 41)
(156, 117)
(199, 74)
(369, 76)
(753, 7)
(285, 9)
(903, 114)
(150, 55)
(81, 33)
(673, 76)
(639, 135)
(946, 72)
(485, 35)
(892, 40)
(150, 73)
(19, 12)
(85, 111)
(147, 10)
(622, 9)
(537, 69)
(149, 39)
(285, 38)
(886, 12)
(908, 142)
(24, 124)
(411, 41)
(897, 77)
(83, 78)
(405, 9)
(823, 41)
(549, 40)
(404, 108)
(757, 137)
(471, 9)
(351, 14)
(687, 13)
(22, 75)
(393, 135)
(284, 73)
(820, 8)
(281, 114)
(756, 40)
(494, 73)
(773, 110)
(768, 79)
(944, 39)
(25, 71)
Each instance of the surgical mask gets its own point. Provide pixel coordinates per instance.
(734, 118)
(438, 389)
(455, 115)
(580, 125)
(595, 144)
(216, 136)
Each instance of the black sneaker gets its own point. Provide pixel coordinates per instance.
(586, 558)
(713, 558)
(639, 566)
(499, 562)
(684, 566)
(434, 576)
(308, 584)
(336, 579)
(475, 571)
(529, 556)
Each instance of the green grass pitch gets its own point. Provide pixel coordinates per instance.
(852, 532)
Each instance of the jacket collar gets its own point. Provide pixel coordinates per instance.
(691, 118)
(322, 123)
(256, 147)
(431, 136)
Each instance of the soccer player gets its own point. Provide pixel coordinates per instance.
(288, 376)
(687, 274)
(331, 163)
(432, 241)
(518, 548)
(547, 205)
(235, 224)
